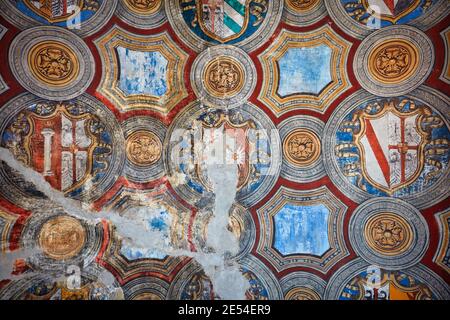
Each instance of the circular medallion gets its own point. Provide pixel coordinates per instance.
(224, 76)
(302, 294)
(388, 233)
(142, 13)
(302, 147)
(303, 12)
(302, 5)
(143, 6)
(300, 285)
(59, 64)
(143, 148)
(393, 61)
(53, 63)
(145, 288)
(302, 161)
(396, 66)
(62, 237)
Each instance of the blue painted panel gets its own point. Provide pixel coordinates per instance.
(304, 70)
(302, 230)
(142, 72)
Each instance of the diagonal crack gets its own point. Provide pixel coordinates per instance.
(227, 280)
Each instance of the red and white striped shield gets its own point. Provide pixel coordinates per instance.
(391, 147)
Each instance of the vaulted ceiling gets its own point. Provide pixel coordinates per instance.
(233, 149)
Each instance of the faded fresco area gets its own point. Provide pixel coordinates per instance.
(224, 149)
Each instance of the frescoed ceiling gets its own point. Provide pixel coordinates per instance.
(224, 149)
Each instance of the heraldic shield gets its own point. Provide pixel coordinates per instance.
(391, 145)
(61, 147)
(227, 143)
(55, 10)
(391, 10)
(223, 20)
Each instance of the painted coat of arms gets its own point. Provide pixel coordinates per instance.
(391, 11)
(393, 147)
(61, 142)
(385, 285)
(55, 10)
(224, 20)
(231, 140)
(60, 148)
(391, 144)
